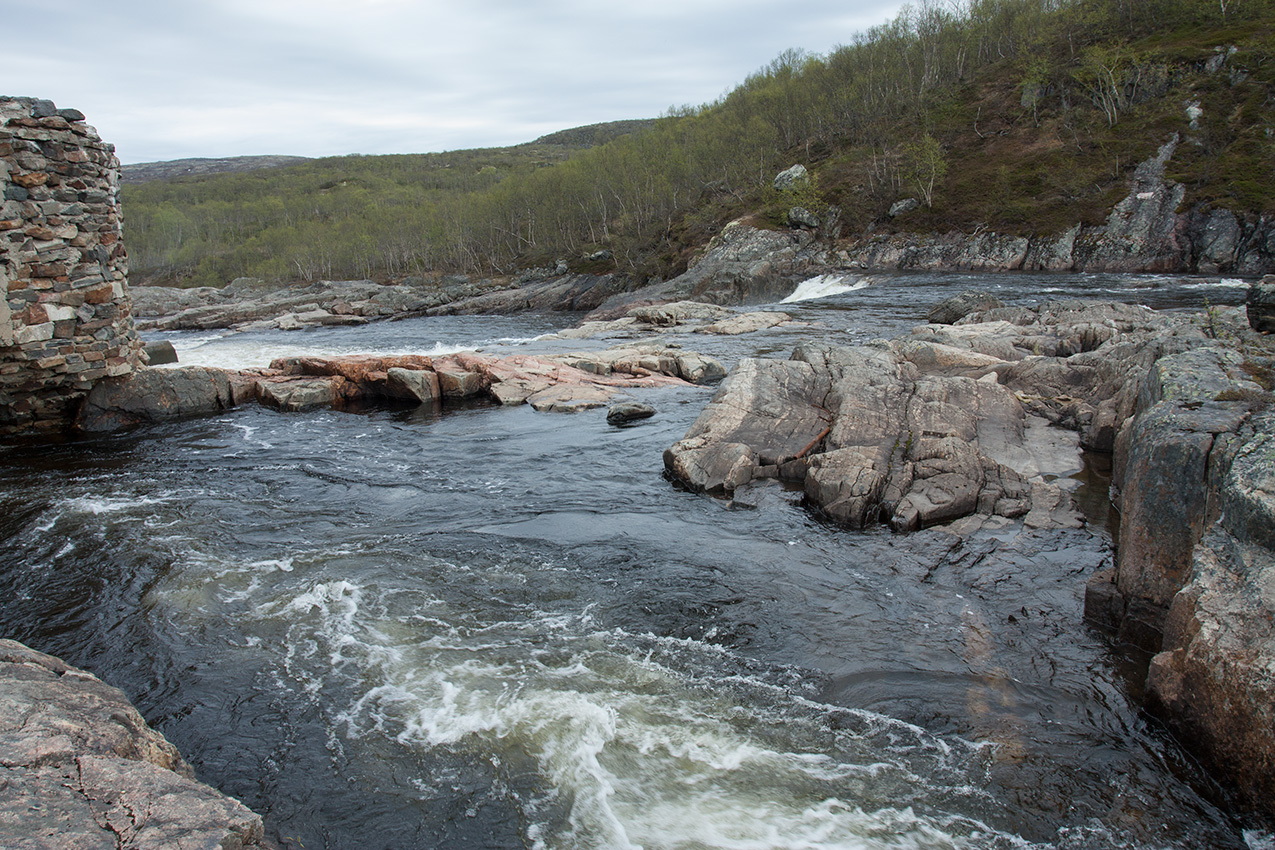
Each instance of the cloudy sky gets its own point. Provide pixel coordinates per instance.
(167, 79)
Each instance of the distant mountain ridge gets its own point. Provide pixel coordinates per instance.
(144, 172)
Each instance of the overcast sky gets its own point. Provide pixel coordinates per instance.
(168, 79)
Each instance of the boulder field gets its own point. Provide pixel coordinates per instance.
(978, 418)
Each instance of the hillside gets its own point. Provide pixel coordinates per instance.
(1014, 116)
(143, 172)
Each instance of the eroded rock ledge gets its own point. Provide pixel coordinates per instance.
(947, 424)
(79, 767)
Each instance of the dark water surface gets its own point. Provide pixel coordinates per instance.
(497, 628)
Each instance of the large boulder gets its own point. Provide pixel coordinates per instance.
(867, 435)
(81, 768)
(155, 395)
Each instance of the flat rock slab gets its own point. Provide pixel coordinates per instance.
(80, 768)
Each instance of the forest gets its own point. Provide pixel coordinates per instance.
(1016, 116)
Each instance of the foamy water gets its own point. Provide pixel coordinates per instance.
(824, 286)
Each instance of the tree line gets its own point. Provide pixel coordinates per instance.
(917, 105)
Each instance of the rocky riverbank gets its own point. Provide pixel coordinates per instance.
(557, 383)
(950, 426)
(80, 768)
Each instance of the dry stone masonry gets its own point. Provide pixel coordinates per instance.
(66, 322)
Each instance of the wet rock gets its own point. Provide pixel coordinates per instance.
(155, 395)
(952, 310)
(81, 768)
(1260, 305)
(629, 412)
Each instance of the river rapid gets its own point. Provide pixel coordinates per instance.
(491, 628)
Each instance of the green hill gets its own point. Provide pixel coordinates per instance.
(1019, 116)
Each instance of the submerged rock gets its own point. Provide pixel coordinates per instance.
(626, 413)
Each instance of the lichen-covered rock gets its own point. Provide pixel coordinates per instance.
(1215, 680)
(80, 768)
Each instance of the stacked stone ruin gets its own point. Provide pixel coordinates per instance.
(66, 322)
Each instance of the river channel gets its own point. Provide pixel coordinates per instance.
(488, 627)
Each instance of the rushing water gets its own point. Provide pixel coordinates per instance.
(496, 628)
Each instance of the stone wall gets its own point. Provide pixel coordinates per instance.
(66, 322)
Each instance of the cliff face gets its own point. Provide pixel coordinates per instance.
(65, 322)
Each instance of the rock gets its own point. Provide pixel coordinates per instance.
(1216, 246)
(419, 385)
(868, 439)
(792, 178)
(457, 382)
(745, 323)
(1260, 305)
(569, 398)
(155, 395)
(741, 265)
(678, 313)
(802, 217)
(629, 412)
(1141, 231)
(81, 768)
(957, 307)
(1215, 680)
(297, 394)
(903, 207)
(159, 353)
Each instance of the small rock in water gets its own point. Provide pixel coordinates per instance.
(627, 413)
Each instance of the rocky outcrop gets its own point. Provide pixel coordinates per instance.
(65, 321)
(1215, 679)
(951, 422)
(80, 768)
(1145, 232)
(1260, 305)
(741, 265)
(558, 383)
(952, 310)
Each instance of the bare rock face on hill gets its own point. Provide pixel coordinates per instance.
(80, 768)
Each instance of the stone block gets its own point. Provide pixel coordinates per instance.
(32, 333)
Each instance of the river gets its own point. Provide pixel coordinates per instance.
(489, 627)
